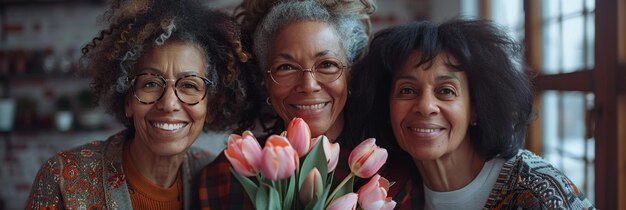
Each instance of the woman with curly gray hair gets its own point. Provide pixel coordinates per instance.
(305, 49)
(166, 70)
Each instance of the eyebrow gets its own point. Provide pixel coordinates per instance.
(317, 55)
(158, 72)
(437, 79)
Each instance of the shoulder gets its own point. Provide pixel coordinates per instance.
(529, 181)
(199, 158)
(93, 151)
(71, 175)
(219, 167)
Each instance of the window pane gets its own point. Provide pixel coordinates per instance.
(571, 6)
(590, 4)
(551, 48)
(573, 44)
(550, 9)
(564, 137)
(591, 37)
(509, 14)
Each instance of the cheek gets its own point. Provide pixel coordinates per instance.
(276, 92)
(397, 113)
(460, 114)
(398, 110)
(198, 112)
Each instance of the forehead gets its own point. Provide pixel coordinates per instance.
(439, 65)
(306, 37)
(173, 56)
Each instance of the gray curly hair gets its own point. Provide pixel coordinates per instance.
(352, 32)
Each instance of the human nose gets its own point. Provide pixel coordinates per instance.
(308, 83)
(169, 101)
(426, 105)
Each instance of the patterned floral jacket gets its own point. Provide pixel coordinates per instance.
(91, 177)
(526, 181)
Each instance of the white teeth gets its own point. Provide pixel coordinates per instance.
(424, 130)
(169, 126)
(314, 106)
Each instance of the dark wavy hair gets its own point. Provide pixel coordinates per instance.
(138, 26)
(499, 84)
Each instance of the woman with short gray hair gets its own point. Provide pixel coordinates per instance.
(305, 49)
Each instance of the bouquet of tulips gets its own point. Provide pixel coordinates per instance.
(295, 171)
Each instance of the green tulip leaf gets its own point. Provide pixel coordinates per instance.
(248, 185)
(291, 188)
(274, 199)
(262, 201)
(315, 159)
(344, 189)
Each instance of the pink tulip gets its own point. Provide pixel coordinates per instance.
(244, 153)
(373, 195)
(279, 158)
(367, 158)
(312, 186)
(347, 201)
(332, 153)
(299, 136)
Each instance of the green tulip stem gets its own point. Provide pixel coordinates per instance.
(343, 182)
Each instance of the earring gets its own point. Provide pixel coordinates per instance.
(349, 92)
(268, 101)
(474, 123)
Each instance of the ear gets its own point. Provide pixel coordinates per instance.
(474, 116)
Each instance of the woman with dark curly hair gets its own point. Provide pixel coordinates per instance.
(457, 99)
(305, 49)
(167, 70)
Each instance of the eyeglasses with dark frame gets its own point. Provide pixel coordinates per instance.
(324, 71)
(148, 88)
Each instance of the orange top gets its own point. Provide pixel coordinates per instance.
(146, 195)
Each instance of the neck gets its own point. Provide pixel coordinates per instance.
(160, 170)
(335, 130)
(451, 171)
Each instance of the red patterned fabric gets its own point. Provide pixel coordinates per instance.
(92, 177)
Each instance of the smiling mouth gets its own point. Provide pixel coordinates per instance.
(169, 126)
(424, 130)
(312, 106)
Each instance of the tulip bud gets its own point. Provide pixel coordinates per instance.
(299, 135)
(347, 201)
(332, 153)
(244, 153)
(367, 158)
(373, 195)
(312, 186)
(279, 159)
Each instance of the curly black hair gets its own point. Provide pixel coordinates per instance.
(500, 86)
(137, 26)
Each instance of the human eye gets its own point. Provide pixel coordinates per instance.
(405, 92)
(284, 69)
(190, 84)
(328, 67)
(149, 83)
(446, 92)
